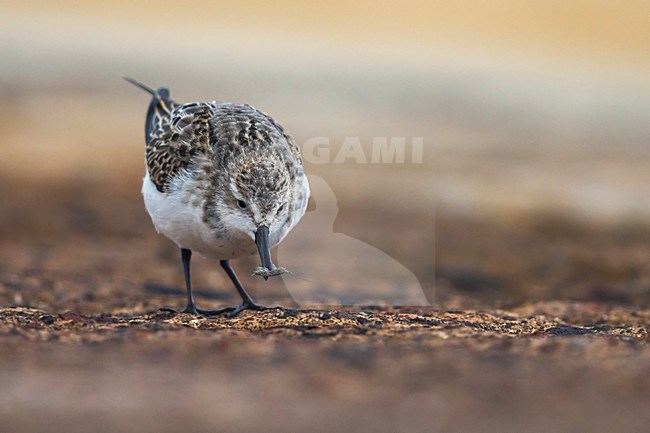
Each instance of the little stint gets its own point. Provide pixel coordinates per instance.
(224, 180)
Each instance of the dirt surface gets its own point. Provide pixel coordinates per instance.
(540, 367)
(548, 366)
(535, 325)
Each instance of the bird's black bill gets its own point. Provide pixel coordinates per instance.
(268, 269)
(264, 247)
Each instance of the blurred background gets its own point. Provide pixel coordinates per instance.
(534, 186)
(534, 118)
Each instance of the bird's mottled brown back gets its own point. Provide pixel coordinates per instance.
(221, 132)
(181, 135)
(240, 128)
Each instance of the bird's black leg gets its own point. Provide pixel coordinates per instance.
(186, 255)
(247, 301)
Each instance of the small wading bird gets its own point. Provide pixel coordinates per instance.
(224, 180)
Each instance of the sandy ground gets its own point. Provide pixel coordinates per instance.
(579, 367)
(535, 326)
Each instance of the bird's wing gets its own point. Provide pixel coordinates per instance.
(293, 146)
(177, 135)
(240, 125)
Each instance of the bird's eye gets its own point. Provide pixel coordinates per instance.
(241, 204)
(280, 208)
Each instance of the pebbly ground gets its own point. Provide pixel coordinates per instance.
(555, 366)
(535, 326)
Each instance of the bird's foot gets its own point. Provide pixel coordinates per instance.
(190, 309)
(169, 310)
(234, 311)
(218, 312)
(249, 305)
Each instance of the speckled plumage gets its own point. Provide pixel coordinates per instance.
(216, 173)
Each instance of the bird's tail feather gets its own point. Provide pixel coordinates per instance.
(139, 84)
(160, 106)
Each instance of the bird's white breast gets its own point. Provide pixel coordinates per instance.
(176, 216)
(179, 216)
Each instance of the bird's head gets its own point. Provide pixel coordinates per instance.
(257, 202)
